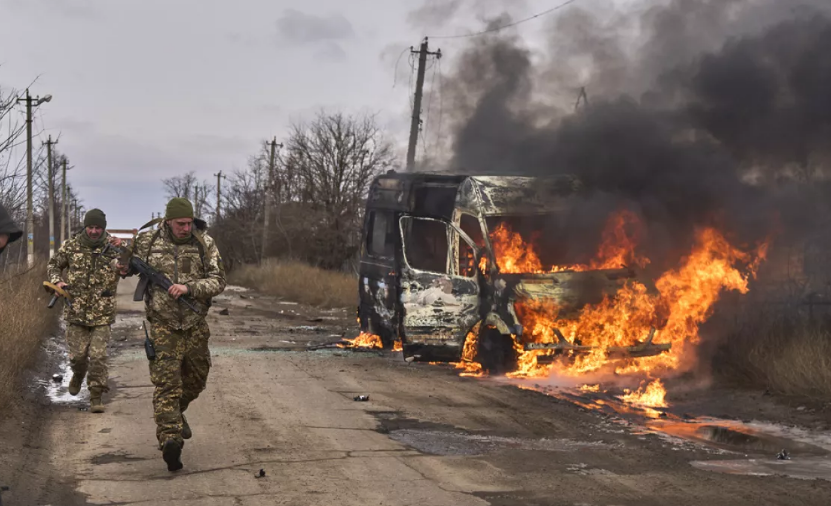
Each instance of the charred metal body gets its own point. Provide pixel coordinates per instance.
(428, 273)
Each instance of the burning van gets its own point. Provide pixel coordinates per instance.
(446, 268)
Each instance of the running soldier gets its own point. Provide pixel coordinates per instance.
(182, 251)
(92, 281)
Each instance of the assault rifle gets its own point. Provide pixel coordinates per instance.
(150, 276)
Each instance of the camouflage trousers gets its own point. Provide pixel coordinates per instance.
(179, 373)
(88, 354)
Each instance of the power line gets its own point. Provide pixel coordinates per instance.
(502, 27)
(397, 61)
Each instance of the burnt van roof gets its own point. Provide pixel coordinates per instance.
(437, 194)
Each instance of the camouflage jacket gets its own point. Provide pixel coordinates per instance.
(92, 281)
(196, 265)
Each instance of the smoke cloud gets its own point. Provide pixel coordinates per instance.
(698, 113)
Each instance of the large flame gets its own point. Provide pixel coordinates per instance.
(685, 300)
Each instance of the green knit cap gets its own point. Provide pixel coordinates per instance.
(95, 218)
(178, 208)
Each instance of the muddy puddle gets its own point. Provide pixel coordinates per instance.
(55, 385)
(757, 448)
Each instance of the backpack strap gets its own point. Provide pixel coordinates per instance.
(150, 244)
(200, 243)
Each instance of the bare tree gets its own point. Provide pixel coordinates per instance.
(180, 186)
(329, 165)
(318, 186)
(189, 187)
(12, 170)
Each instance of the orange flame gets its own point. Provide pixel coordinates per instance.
(620, 237)
(652, 396)
(364, 340)
(468, 365)
(397, 346)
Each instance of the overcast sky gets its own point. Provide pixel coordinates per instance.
(147, 89)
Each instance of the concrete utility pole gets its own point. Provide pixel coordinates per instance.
(416, 124)
(30, 208)
(219, 178)
(269, 197)
(64, 207)
(49, 143)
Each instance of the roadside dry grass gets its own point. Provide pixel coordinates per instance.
(24, 322)
(785, 357)
(299, 282)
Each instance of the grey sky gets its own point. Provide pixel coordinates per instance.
(148, 89)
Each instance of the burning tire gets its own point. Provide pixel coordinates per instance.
(495, 351)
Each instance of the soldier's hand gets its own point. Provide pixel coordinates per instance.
(122, 269)
(177, 291)
(115, 241)
(60, 284)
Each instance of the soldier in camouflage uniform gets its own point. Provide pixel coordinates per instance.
(183, 252)
(92, 280)
(8, 230)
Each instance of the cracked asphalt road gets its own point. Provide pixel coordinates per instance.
(425, 437)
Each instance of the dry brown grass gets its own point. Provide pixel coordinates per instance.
(299, 282)
(787, 358)
(24, 322)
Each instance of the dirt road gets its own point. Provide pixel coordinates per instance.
(425, 437)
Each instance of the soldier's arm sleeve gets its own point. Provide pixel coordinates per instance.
(56, 264)
(139, 246)
(214, 281)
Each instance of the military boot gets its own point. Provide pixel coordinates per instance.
(75, 384)
(172, 453)
(186, 432)
(96, 405)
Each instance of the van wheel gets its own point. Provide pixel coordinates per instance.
(496, 352)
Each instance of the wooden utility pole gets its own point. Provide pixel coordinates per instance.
(219, 178)
(269, 198)
(415, 126)
(64, 207)
(50, 178)
(30, 208)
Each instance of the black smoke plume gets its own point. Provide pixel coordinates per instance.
(720, 115)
